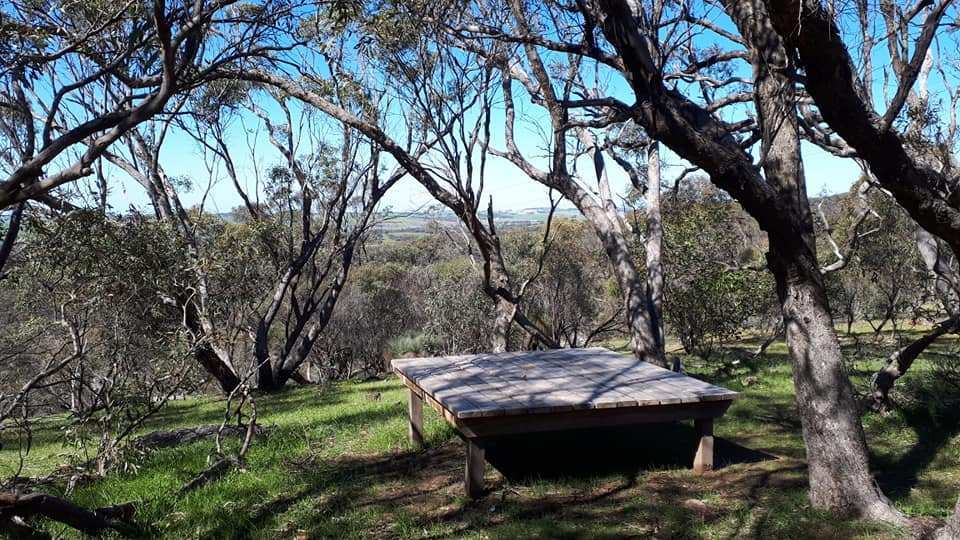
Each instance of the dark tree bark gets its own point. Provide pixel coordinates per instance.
(836, 447)
(274, 373)
(63, 511)
(907, 171)
(654, 242)
(178, 437)
(204, 351)
(811, 33)
(10, 237)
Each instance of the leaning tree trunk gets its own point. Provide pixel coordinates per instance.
(498, 285)
(204, 351)
(609, 228)
(836, 446)
(641, 295)
(504, 312)
(945, 276)
(10, 236)
(837, 456)
(654, 243)
(837, 452)
(496, 280)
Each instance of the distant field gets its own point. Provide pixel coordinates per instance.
(405, 225)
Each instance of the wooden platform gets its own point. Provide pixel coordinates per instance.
(486, 395)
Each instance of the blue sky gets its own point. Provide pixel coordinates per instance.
(509, 187)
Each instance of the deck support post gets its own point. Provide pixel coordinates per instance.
(415, 426)
(703, 460)
(473, 472)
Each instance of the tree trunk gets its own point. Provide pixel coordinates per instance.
(265, 379)
(10, 237)
(644, 330)
(502, 321)
(831, 79)
(607, 225)
(836, 446)
(92, 522)
(204, 351)
(654, 244)
(951, 529)
(274, 374)
(946, 278)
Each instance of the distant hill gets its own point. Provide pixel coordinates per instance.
(398, 225)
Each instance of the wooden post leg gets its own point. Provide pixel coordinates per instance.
(415, 410)
(703, 460)
(473, 474)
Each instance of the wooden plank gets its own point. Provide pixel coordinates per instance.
(525, 391)
(443, 385)
(703, 459)
(587, 387)
(415, 414)
(445, 413)
(577, 419)
(654, 384)
(539, 388)
(606, 394)
(457, 383)
(608, 369)
(474, 469)
(522, 383)
(493, 389)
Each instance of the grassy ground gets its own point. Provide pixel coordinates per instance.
(335, 463)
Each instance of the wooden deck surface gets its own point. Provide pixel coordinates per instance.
(520, 383)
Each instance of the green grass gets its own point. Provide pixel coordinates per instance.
(335, 463)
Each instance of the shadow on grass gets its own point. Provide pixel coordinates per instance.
(424, 488)
(423, 491)
(934, 429)
(625, 450)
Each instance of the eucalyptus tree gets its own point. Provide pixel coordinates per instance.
(445, 105)
(327, 195)
(927, 191)
(495, 32)
(672, 115)
(843, 103)
(926, 127)
(920, 132)
(449, 95)
(264, 289)
(130, 57)
(836, 449)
